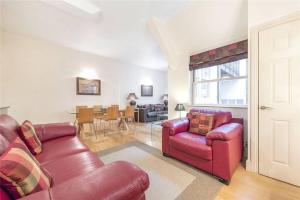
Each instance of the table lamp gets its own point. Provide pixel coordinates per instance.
(180, 107)
(165, 99)
(132, 97)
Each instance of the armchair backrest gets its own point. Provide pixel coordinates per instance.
(9, 129)
(221, 117)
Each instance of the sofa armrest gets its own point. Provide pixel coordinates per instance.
(51, 131)
(116, 181)
(176, 125)
(225, 132)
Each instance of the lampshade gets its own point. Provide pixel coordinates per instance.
(164, 97)
(179, 107)
(131, 96)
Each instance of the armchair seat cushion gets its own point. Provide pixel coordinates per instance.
(63, 146)
(192, 144)
(71, 166)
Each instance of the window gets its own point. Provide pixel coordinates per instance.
(224, 84)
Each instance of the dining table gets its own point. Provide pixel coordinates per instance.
(102, 112)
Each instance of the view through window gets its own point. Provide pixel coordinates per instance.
(224, 84)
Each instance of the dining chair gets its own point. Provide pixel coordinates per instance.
(129, 116)
(86, 116)
(98, 115)
(77, 111)
(112, 114)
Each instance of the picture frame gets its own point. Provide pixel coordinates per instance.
(88, 86)
(146, 90)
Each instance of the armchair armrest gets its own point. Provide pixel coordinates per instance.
(176, 125)
(225, 132)
(50, 131)
(116, 181)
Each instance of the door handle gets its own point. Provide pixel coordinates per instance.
(265, 108)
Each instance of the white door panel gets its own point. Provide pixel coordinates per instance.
(279, 91)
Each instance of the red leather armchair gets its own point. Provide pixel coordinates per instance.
(77, 173)
(218, 153)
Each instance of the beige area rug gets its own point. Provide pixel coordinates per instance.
(169, 179)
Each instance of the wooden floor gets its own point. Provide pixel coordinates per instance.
(244, 185)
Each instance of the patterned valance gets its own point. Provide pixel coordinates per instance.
(229, 53)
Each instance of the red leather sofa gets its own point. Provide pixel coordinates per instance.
(77, 173)
(218, 153)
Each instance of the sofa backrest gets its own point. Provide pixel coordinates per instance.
(221, 117)
(9, 129)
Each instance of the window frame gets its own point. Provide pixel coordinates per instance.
(193, 83)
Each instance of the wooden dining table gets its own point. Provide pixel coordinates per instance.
(103, 112)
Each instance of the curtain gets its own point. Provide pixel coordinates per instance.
(222, 55)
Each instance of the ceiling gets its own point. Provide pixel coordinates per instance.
(208, 24)
(119, 31)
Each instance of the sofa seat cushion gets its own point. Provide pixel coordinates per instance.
(59, 147)
(191, 143)
(152, 114)
(68, 167)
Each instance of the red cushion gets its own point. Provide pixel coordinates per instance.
(71, 166)
(30, 138)
(191, 143)
(20, 173)
(200, 123)
(221, 117)
(60, 147)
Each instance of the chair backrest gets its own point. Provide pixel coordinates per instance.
(77, 110)
(85, 115)
(112, 113)
(97, 108)
(221, 117)
(129, 112)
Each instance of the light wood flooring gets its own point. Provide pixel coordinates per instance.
(244, 185)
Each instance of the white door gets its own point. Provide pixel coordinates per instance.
(279, 101)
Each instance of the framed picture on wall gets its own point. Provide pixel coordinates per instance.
(146, 90)
(88, 86)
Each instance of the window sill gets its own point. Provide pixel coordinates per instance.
(220, 106)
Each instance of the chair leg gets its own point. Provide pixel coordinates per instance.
(93, 127)
(133, 119)
(79, 130)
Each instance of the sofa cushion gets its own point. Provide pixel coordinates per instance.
(60, 147)
(152, 114)
(20, 173)
(159, 107)
(191, 143)
(200, 123)
(68, 167)
(30, 137)
(9, 130)
(221, 117)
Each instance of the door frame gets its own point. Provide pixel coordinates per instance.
(252, 162)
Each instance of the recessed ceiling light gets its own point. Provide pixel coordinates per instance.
(84, 5)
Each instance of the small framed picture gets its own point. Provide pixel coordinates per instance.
(146, 90)
(88, 86)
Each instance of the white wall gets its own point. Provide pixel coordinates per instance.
(1, 66)
(1, 59)
(39, 79)
(261, 11)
